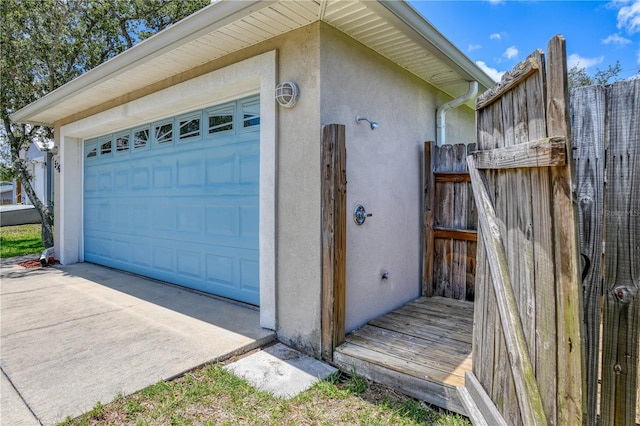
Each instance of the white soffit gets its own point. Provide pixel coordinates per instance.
(393, 29)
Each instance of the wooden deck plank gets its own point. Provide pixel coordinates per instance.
(436, 314)
(439, 357)
(433, 393)
(414, 327)
(437, 302)
(422, 349)
(401, 365)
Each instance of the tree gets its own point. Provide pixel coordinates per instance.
(47, 43)
(578, 76)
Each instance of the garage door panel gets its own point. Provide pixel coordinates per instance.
(141, 254)
(249, 216)
(164, 258)
(190, 219)
(120, 215)
(163, 218)
(140, 218)
(140, 179)
(190, 173)
(250, 168)
(122, 180)
(220, 269)
(249, 269)
(184, 212)
(226, 217)
(121, 250)
(221, 220)
(220, 170)
(90, 182)
(190, 264)
(162, 177)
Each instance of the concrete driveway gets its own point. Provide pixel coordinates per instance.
(74, 335)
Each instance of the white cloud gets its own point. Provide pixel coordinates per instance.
(511, 52)
(616, 39)
(496, 1)
(495, 36)
(575, 59)
(629, 17)
(491, 72)
(473, 47)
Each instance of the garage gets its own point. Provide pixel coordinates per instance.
(177, 199)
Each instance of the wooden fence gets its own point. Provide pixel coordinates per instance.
(606, 149)
(521, 127)
(450, 223)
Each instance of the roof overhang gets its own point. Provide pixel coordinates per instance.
(394, 29)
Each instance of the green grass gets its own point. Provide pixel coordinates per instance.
(213, 396)
(20, 240)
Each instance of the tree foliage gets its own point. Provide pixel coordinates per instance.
(47, 43)
(579, 77)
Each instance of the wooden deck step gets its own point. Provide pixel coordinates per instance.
(422, 349)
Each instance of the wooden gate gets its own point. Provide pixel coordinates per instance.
(527, 350)
(450, 223)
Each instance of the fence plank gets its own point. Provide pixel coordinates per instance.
(506, 199)
(533, 107)
(472, 246)
(523, 227)
(442, 270)
(621, 322)
(528, 396)
(570, 401)
(484, 315)
(587, 140)
(459, 258)
(428, 203)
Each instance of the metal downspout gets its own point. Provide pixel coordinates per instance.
(441, 114)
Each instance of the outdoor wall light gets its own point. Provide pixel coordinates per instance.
(373, 124)
(287, 94)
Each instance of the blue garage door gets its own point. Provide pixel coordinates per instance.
(177, 200)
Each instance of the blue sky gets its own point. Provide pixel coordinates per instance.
(497, 34)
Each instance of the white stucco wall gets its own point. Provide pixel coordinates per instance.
(299, 208)
(383, 168)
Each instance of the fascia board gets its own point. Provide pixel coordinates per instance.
(441, 46)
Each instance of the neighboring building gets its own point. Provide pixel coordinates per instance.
(7, 193)
(176, 162)
(36, 163)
